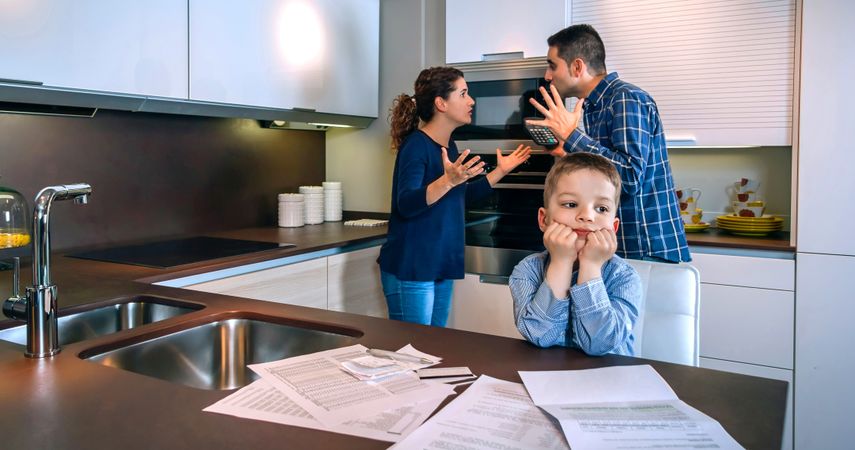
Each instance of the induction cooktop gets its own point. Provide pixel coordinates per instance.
(176, 252)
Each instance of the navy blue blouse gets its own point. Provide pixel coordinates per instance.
(426, 242)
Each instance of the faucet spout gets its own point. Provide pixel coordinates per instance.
(40, 300)
(41, 225)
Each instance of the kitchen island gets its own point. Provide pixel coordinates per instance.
(67, 402)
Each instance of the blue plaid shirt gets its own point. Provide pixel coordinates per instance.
(622, 124)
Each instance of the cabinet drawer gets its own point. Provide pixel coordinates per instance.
(767, 273)
(354, 283)
(303, 283)
(483, 308)
(747, 325)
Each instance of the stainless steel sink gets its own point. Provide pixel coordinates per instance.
(215, 355)
(122, 314)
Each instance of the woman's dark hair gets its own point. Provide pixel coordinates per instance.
(581, 41)
(406, 110)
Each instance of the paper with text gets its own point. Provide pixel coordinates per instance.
(261, 401)
(624, 407)
(490, 414)
(317, 383)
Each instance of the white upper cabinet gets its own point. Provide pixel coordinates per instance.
(321, 55)
(826, 122)
(475, 28)
(129, 46)
(721, 72)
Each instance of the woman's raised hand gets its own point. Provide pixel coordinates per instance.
(461, 170)
(508, 163)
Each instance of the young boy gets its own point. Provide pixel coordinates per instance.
(578, 293)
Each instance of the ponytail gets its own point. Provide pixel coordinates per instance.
(402, 118)
(407, 110)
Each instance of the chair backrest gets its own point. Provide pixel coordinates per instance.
(667, 327)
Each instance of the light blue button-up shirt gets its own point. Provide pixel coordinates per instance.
(597, 317)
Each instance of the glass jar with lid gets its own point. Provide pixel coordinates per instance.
(14, 224)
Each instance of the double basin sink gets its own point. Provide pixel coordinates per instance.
(207, 355)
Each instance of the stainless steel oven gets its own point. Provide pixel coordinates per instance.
(502, 228)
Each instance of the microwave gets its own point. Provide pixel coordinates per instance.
(500, 107)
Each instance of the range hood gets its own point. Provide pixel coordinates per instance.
(44, 97)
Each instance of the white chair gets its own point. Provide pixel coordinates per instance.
(667, 327)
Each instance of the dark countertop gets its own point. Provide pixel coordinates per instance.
(714, 237)
(66, 402)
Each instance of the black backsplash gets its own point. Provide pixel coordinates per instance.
(156, 175)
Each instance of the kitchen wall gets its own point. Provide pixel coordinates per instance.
(713, 170)
(412, 38)
(156, 175)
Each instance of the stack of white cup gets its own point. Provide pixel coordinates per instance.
(314, 209)
(332, 201)
(291, 210)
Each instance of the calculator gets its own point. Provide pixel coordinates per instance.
(540, 134)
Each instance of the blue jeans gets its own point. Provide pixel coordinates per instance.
(424, 302)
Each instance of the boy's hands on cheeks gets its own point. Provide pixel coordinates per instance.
(599, 248)
(561, 242)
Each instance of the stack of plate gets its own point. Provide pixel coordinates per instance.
(314, 208)
(750, 226)
(695, 227)
(332, 201)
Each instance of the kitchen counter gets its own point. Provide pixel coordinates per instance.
(66, 402)
(714, 237)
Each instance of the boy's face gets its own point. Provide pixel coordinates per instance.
(583, 200)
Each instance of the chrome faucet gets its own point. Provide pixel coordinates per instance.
(38, 305)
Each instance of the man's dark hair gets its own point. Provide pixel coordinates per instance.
(581, 41)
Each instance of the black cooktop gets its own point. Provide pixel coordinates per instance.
(165, 254)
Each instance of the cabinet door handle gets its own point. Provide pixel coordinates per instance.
(502, 56)
(677, 140)
(494, 279)
(27, 82)
(303, 109)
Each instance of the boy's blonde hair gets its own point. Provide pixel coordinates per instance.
(573, 162)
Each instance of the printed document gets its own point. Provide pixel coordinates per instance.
(261, 401)
(490, 414)
(317, 383)
(624, 407)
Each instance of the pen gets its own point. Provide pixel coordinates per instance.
(399, 356)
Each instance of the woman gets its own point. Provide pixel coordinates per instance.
(423, 252)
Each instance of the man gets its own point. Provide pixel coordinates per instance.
(622, 123)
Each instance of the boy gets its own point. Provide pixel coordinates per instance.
(578, 293)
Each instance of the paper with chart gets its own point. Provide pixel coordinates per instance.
(261, 401)
(622, 407)
(490, 414)
(317, 383)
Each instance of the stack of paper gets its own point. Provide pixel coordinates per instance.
(313, 391)
(609, 408)
(622, 407)
(373, 368)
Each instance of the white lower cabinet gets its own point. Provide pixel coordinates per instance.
(348, 281)
(353, 281)
(747, 319)
(303, 283)
(825, 359)
(483, 307)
